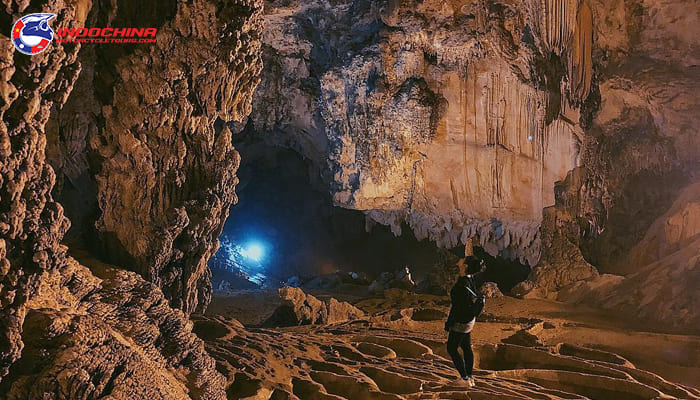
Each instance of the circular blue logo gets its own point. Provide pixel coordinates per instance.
(32, 34)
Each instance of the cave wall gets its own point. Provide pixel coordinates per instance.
(640, 164)
(284, 207)
(146, 142)
(455, 118)
(33, 224)
(90, 329)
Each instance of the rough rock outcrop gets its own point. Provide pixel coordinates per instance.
(490, 290)
(400, 279)
(110, 336)
(68, 331)
(299, 308)
(455, 118)
(32, 224)
(162, 167)
(667, 261)
(638, 158)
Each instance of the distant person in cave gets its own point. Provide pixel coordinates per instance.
(467, 304)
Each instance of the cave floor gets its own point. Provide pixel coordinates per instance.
(673, 356)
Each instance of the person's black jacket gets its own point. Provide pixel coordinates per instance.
(467, 301)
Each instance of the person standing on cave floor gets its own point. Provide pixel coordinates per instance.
(467, 304)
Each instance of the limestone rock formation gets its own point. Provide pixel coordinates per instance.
(110, 336)
(400, 279)
(491, 126)
(32, 224)
(523, 338)
(299, 308)
(154, 127)
(354, 361)
(663, 287)
(490, 290)
(342, 311)
(639, 160)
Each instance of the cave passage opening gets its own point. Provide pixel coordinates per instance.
(285, 226)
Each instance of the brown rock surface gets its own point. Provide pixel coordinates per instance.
(162, 164)
(390, 360)
(67, 331)
(664, 285)
(299, 308)
(119, 339)
(484, 141)
(462, 119)
(490, 290)
(32, 224)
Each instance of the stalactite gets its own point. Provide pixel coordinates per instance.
(567, 29)
(580, 63)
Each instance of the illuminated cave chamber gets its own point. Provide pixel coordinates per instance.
(285, 225)
(284, 210)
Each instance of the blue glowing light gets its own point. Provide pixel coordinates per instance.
(529, 138)
(253, 251)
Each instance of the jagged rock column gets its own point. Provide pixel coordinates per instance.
(155, 119)
(32, 224)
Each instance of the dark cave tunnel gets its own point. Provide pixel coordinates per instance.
(286, 216)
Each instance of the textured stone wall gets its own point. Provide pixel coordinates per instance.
(639, 171)
(32, 224)
(93, 330)
(145, 143)
(456, 118)
(422, 113)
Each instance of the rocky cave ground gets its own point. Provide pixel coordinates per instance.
(394, 349)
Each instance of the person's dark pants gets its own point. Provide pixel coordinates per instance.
(464, 365)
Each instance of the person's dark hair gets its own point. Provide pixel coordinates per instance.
(473, 265)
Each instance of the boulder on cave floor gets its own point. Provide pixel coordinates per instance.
(341, 311)
(299, 308)
(490, 290)
(400, 279)
(523, 338)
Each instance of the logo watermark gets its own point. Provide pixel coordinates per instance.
(32, 34)
(106, 35)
